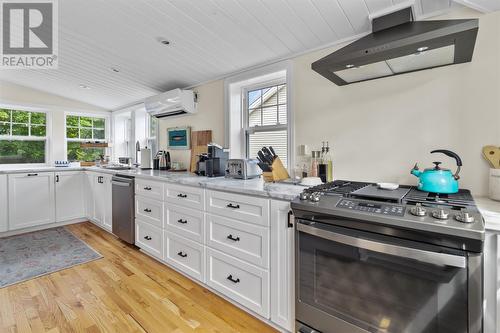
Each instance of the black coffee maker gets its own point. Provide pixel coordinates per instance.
(213, 163)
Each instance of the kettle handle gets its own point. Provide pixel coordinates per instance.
(452, 155)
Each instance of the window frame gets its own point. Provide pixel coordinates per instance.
(247, 130)
(46, 138)
(107, 127)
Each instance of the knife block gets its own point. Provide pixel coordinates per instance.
(278, 173)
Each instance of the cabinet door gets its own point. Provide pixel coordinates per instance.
(108, 202)
(69, 195)
(98, 194)
(88, 183)
(31, 199)
(3, 204)
(282, 265)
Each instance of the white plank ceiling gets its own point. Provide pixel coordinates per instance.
(209, 39)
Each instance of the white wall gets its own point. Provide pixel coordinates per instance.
(210, 116)
(379, 129)
(15, 95)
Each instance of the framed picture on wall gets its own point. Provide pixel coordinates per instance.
(179, 138)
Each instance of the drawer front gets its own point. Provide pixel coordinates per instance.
(242, 240)
(149, 210)
(185, 222)
(185, 255)
(150, 189)
(242, 282)
(149, 238)
(242, 207)
(192, 197)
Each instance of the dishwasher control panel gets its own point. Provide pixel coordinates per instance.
(371, 207)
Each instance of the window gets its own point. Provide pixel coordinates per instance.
(152, 124)
(23, 137)
(81, 129)
(267, 120)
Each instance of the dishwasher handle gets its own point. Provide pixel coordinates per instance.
(114, 182)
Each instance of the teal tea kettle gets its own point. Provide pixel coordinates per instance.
(436, 179)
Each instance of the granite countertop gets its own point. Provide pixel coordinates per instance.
(256, 186)
(490, 210)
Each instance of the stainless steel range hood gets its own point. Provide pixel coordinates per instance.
(400, 45)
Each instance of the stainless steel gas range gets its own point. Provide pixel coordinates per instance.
(374, 260)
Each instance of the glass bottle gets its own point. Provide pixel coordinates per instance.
(314, 163)
(329, 163)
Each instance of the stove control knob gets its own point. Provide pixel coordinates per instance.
(464, 216)
(440, 214)
(315, 196)
(304, 196)
(418, 210)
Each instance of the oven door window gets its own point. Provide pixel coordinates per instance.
(378, 292)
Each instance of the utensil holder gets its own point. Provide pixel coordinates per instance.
(278, 173)
(494, 192)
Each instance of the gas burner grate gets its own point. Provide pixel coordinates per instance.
(462, 198)
(338, 187)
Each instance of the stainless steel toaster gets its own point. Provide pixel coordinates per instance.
(242, 168)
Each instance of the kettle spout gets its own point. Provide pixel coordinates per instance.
(415, 171)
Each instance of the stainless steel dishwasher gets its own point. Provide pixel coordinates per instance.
(123, 208)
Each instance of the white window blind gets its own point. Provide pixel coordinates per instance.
(266, 125)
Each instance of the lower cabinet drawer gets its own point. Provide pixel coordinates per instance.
(185, 255)
(242, 240)
(240, 281)
(186, 222)
(149, 238)
(149, 210)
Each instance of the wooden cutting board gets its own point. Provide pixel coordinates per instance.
(199, 142)
(492, 155)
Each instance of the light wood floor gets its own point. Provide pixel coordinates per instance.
(126, 291)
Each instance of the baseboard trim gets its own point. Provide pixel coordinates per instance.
(41, 227)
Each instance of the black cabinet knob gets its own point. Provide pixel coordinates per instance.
(180, 195)
(230, 205)
(147, 188)
(147, 238)
(147, 210)
(180, 254)
(182, 221)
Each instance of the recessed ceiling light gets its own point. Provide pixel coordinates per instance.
(114, 69)
(163, 41)
(83, 86)
(422, 48)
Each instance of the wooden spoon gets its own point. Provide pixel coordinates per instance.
(492, 155)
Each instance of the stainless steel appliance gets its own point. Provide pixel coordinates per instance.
(123, 224)
(243, 168)
(163, 158)
(374, 260)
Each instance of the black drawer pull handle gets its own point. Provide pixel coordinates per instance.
(237, 239)
(147, 210)
(182, 221)
(230, 278)
(233, 206)
(147, 188)
(180, 254)
(180, 195)
(32, 174)
(147, 238)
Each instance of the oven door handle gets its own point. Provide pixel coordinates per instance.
(429, 257)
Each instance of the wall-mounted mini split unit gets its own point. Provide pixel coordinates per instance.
(171, 103)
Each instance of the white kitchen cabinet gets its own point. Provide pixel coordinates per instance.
(149, 238)
(102, 199)
(282, 265)
(185, 255)
(31, 199)
(245, 283)
(3, 204)
(187, 196)
(69, 195)
(88, 194)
